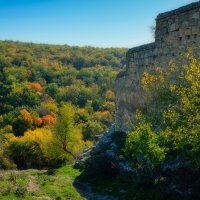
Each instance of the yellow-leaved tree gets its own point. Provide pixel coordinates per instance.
(68, 137)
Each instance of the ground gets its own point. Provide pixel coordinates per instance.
(39, 184)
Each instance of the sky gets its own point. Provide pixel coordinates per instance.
(99, 23)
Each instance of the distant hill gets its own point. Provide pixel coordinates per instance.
(21, 53)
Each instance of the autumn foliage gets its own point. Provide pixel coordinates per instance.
(48, 119)
(36, 86)
(38, 82)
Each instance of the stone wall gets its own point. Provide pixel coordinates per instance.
(176, 31)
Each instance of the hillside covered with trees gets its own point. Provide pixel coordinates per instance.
(54, 101)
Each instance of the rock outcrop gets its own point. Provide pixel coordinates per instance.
(105, 154)
(176, 31)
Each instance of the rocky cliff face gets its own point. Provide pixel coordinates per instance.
(176, 31)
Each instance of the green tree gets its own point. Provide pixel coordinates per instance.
(92, 129)
(52, 89)
(64, 130)
(142, 145)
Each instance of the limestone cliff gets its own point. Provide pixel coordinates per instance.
(176, 31)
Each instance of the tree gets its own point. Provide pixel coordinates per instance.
(25, 121)
(64, 130)
(53, 90)
(92, 129)
(36, 86)
(142, 146)
(48, 119)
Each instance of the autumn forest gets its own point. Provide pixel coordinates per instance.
(55, 101)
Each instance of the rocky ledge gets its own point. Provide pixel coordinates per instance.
(105, 155)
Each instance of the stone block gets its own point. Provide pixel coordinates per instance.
(195, 30)
(195, 15)
(172, 27)
(188, 32)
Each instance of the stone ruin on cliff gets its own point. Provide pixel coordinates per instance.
(176, 31)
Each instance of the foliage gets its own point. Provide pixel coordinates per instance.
(36, 86)
(48, 119)
(30, 150)
(68, 136)
(26, 154)
(92, 129)
(176, 102)
(5, 162)
(142, 145)
(36, 80)
(25, 121)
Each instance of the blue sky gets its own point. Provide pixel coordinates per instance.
(103, 23)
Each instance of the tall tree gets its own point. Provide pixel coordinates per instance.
(64, 128)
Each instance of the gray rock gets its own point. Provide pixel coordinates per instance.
(105, 147)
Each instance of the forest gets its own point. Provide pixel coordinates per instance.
(55, 101)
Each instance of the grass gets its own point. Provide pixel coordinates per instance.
(39, 184)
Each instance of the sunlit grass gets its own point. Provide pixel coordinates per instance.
(32, 184)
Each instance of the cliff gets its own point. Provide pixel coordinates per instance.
(176, 32)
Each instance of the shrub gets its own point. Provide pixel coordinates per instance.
(92, 129)
(5, 162)
(27, 154)
(142, 145)
(32, 149)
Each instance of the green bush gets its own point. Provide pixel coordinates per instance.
(92, 129)
(142, 145)
(5, 162)
(27, 154)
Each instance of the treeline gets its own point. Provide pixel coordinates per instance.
(26, 54)
(54, 101)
